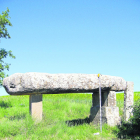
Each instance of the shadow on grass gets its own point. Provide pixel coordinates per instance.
(78, 122)
(16, 117)
(5, 104)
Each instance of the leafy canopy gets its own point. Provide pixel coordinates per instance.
(4, 21)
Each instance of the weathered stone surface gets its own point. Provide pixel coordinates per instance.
(110, 113)
(110, 98)
(44, 83)
(35, 106)
(128, 100)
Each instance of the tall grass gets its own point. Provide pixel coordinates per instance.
(59, 110)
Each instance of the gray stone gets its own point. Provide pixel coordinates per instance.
(35, 106)
(128, 100)
(44, 83)
(110, 113)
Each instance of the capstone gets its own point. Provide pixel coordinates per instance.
(44, 83)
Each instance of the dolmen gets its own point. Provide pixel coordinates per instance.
(35, 84)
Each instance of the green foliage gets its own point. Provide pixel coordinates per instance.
(4, 20)
(131, 128)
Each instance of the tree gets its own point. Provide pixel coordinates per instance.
(4, 21)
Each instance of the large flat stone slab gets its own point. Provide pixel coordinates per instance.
(44, 83)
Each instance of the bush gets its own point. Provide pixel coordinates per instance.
(131, 128)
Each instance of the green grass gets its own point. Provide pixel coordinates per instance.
(16, 123)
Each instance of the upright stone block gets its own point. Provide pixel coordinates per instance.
(110, 113)
(111, 99)
(35, 105)
(128, 100)
(94, 111)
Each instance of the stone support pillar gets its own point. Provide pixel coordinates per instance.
(95, 109)
(110, 113)
(128, 100)
(35, 106)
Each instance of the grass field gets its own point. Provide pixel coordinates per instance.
(16, 123)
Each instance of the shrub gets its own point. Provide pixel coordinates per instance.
(131, 128)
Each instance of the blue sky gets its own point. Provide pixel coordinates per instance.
(76, 36)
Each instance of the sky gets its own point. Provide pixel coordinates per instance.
(75, 36)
